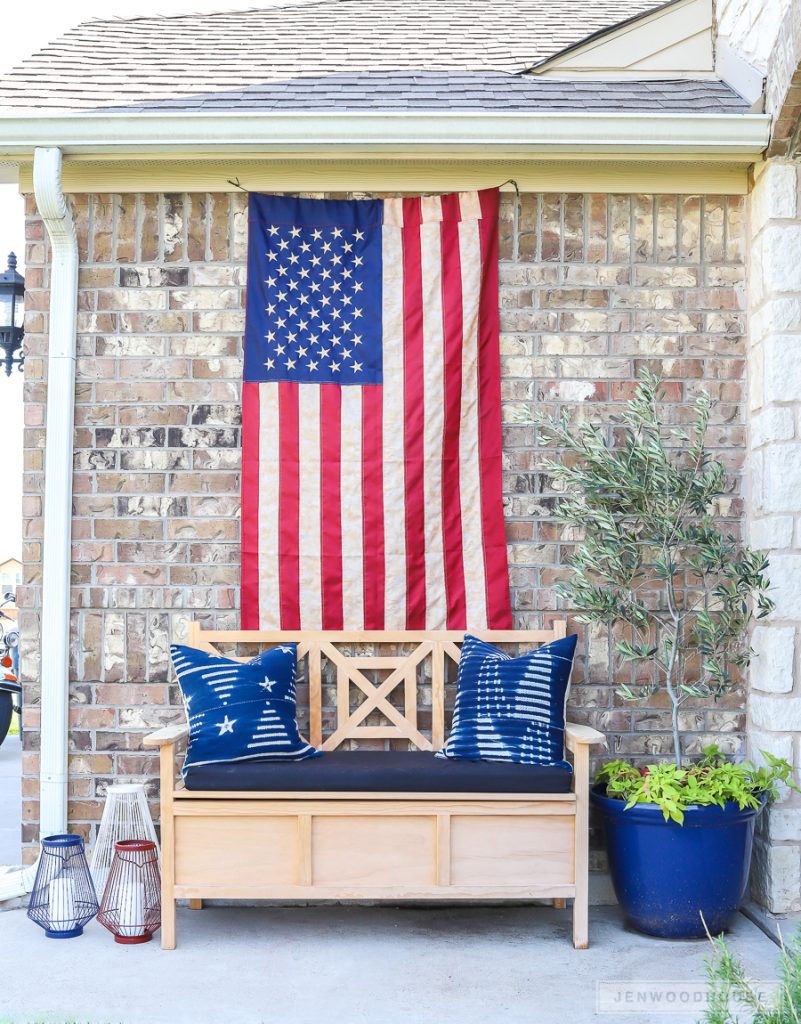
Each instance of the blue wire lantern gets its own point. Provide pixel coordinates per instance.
(63, 898)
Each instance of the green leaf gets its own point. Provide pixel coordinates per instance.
(711, 780)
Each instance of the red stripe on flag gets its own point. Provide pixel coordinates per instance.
(250, 506)
(289, 505)
(452, 320)
(414, 414)
(499, 609)
(331, 504)
(373, 505)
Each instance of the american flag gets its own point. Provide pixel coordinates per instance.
(371, 493)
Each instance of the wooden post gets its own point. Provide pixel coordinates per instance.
(315, 697)
(581, 773)
(167, 765)
(437, 696)
(303, 857)
(442, 874)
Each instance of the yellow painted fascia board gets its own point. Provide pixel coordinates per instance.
(410, 175)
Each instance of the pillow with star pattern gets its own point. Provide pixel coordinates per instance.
(240, 711)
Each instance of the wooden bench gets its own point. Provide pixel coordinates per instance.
(373, 845)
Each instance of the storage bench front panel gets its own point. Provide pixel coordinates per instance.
(350, 849)
(218, 851)
(499, 849)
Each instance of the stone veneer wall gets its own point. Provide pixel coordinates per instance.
(593, 287)
(775, 524)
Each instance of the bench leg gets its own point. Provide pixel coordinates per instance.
(168, 924)
(167, 773)
(559, 903)
(581, 771)
(581, 936)
(196, 904)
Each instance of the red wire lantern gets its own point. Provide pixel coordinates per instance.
(131, 905)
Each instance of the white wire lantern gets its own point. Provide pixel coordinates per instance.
(125, 816)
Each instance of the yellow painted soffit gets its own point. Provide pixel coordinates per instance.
(659, 174)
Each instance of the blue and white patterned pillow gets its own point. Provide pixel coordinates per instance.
(240, 711)
(511, 709)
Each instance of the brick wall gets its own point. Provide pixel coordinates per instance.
(593, 287)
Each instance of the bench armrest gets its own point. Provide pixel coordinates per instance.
(576, 735)
(168, 735)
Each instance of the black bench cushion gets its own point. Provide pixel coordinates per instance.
(380, 771)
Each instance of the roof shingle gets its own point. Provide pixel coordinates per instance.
(343, 55)
(444, 90)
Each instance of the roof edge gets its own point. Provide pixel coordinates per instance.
(521, 132)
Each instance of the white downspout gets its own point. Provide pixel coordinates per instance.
(55, 622)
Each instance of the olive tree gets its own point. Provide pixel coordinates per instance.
(653, 557)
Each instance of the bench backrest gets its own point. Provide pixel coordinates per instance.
(420, 658)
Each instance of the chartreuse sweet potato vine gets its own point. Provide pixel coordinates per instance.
(712, 780)
(652, 559)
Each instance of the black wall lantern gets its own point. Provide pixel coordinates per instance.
(12, 313)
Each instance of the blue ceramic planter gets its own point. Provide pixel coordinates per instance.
(667, 875)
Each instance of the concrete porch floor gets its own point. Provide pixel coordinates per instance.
(475, 965)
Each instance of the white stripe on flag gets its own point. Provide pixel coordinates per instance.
(311, 609)
(351, 499)
(434, 409)
(269, 600)
(393, 438)
(431, 209)
(393, 212)
(470, 209)
(469, 468)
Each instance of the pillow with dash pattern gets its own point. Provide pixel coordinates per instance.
(511, 709)
(240, 711)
